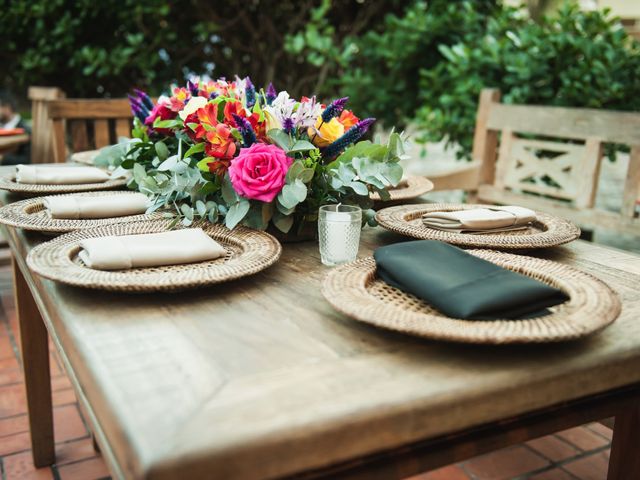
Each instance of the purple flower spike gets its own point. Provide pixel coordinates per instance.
(144, 98)
(334, 109)
(245, 129)
(249, 93)
(137, 108)
(193, 88)
(287, 125)
(363, 125)
(271, 94)
(351, 136)
(213, 95)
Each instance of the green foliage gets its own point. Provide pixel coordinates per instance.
(574, 58)
(103, 48)
(380, 69)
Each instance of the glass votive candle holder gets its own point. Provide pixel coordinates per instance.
(339, 233)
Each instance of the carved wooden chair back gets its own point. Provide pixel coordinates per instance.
(41, 125)
(88, 124)
(549, 158)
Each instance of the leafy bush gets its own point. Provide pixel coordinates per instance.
(575, 58)
(379, 69)
(103, 48)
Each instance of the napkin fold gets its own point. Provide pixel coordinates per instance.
(59, 175)
(461, 285)
(479, 220)
(105, 206)
(149, 250)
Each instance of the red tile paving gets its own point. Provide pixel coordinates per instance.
(579, 453)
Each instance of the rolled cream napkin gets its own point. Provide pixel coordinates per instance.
(105, 206)
(149, 250)
(62, 175)
(480, 220)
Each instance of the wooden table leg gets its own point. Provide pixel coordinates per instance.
(37, 377)
(624, 462)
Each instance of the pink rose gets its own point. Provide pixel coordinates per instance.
(258, 172)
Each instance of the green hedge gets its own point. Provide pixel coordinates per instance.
(573, 58)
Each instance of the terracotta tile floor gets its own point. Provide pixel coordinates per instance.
(578, 453)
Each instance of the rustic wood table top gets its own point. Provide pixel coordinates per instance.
(9, 142)
(261, 378)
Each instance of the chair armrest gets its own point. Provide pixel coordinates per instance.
(465, 177)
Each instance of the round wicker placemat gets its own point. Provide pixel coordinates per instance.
(31, 214)
(407, 189)
(248, 252)
(354, 290)
(546, 231)
(9, 183)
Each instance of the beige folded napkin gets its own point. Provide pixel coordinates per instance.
(149, 250)
(481, 220)
(62, 175)
(105, 206)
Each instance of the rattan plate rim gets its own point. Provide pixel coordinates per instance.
(556, 230)
(56, 259)
(592, 305)
(28, 215)
(8, 183)
(415, 186)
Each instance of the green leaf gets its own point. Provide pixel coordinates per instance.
(360, 188)
(280, 138)
(306, 175)
(169, 164)
(283, 223)
(139, 173)
(201, 208)
(203, 165)
(187, 211)
(294, 170)
(302, 146)
(197, 148)
(161, 150)
(229, 195)
(236, 213)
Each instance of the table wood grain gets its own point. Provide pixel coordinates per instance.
(261, 378)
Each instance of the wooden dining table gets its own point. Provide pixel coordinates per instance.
(261, 378)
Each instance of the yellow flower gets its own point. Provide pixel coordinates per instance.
(271, 121)
(325, 133)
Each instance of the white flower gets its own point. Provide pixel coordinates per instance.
(192, 106)
(307, 113)
(281, 108)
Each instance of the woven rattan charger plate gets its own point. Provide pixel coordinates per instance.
(354, 290)
(546, 231)
(9, 183)
(31, 215)
(407, 189)
(248, 252)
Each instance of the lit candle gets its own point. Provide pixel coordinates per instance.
(339, 228)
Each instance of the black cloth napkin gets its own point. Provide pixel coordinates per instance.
(461, 285)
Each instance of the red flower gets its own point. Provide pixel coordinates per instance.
(235, 107)
(219, 167)
(220, 143)
(348, 119)
(163, 112)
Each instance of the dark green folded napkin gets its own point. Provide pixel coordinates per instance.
(461, 285)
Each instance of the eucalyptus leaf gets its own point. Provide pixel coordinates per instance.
(282, 222)
(161, 150)
(236, 213)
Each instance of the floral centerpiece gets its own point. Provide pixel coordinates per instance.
(228, 152)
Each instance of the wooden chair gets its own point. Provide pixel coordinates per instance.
(519, 160)
(90, 124)
(41, 125)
